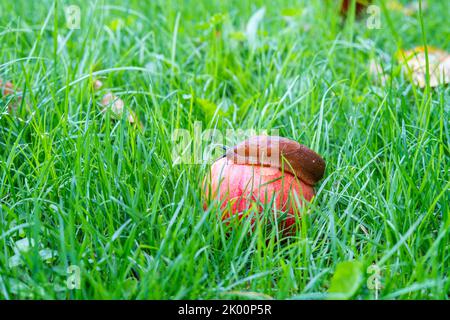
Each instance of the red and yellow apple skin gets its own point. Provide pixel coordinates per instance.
(239, 186)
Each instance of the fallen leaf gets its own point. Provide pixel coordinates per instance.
(395, 5)
(413, 7)
(115, 103)
(23, 245)
(48, 255)
(117, 107)
(153, 67)
(98, 85)
(409, 10)
(14, 261)
(133, 119)
(414, 61)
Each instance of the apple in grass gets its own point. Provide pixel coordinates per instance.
(265, 170)
(239, 187)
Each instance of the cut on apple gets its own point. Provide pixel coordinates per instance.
(415, 65)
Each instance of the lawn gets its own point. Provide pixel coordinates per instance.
(92, 205)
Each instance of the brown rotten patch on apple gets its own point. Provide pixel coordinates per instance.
(282, 153)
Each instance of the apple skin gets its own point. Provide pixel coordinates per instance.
(240, 186)
(7, 88)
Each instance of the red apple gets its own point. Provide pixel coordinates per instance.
(265, 170)
(241, 186)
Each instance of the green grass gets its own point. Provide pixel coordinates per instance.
(104, 195)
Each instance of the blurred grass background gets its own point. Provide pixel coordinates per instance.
(102, 195)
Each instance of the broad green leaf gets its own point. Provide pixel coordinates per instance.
(291, 12)
(346, 280)
(208, 107)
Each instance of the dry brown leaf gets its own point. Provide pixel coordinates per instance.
(98, 85)
(413, 7)
(415, 64)
(7, 88)
(115, 103)
(133, 119)
(395, 5)
(409, 9)
(117, 107)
